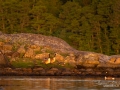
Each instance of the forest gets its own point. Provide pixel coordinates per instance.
(87, 25)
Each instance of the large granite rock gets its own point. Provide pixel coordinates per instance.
(88, 59)
(38, 40)
(36, 47)
(2, 60)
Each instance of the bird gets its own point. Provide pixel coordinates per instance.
(50, 60)
(109, 78)
(47, 61)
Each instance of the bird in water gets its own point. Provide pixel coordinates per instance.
(109, 78)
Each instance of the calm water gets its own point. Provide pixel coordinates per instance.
(58, 83)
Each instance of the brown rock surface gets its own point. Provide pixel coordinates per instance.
(2, 60)
(29, 53)
(33, 48)
(21, 49)
(42, 56)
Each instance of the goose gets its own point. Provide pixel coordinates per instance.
(50, 60)
(109, 78)
(47, 61)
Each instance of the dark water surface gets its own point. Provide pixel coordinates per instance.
(58, 83)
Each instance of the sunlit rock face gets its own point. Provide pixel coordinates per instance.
(97, 60)
(21, 49)
(29, 53)
(38, 40)
(115, 59)
(88, 59)
(36, 49)
(42, 56)
(2, 60)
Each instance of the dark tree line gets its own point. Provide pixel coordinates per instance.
(90, 25)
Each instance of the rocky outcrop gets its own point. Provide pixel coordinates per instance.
(37, 40)
(34, 50)
(58, 72)
(2, 60)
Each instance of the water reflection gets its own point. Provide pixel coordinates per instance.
(58, 83)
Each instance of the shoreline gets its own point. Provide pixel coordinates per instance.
(58, 72)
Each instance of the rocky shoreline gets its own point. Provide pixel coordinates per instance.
(59, 72)
(20, 54)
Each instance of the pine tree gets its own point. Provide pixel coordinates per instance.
(115, 28)
(70, 19)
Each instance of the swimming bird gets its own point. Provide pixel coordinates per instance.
(109, 78)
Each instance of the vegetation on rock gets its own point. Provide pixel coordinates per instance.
(48, 52)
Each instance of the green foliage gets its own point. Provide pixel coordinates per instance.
(22, 64)
(90, 25)
(28, 63)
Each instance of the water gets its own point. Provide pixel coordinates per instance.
(58, 83)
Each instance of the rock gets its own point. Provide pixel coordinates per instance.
(103, 58)
(1, 32)
(50, 72)
(91, 59)
(108, 65)
(70, 60)
(29, 53)
(98, 73)
(1, 43)
(15, 54)
(7, 47)
(117, 61)
(59, 57)
(21, 49)
(66, 72)
(54, 69)
(2, 61)
(42, 56)
(12, 60)
(46, 48)
(114, 60)
(89, 70)
(37, 69)
(37, 39)
(35, 47)
(88, 59)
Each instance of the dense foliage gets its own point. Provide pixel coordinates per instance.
(90, 25)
